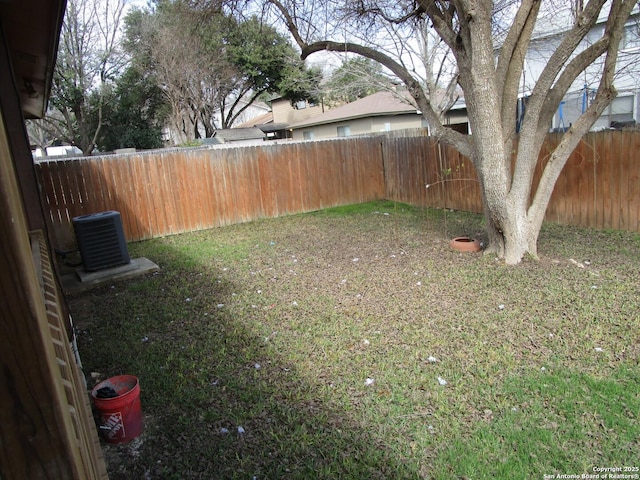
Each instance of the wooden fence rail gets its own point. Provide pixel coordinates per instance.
(166, 192)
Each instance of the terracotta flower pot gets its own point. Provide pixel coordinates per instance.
(465, 244)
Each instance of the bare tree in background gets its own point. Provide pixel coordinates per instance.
(89, 58)
(191, 76)
(431, 62)
(355, 78)
(422, 52)
(491, 80)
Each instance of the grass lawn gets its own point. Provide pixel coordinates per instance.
(352, 343)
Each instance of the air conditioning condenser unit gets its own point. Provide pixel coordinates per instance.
(101, 240)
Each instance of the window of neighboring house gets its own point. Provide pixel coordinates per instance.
(631, 37)
(308, 135)
(620, 110)
(387, 126)
(344, 131)
(301, 105)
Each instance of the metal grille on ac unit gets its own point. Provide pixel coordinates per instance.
(101, 240)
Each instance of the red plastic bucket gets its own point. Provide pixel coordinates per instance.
(121, 416)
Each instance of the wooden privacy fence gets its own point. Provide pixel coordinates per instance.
(599, 187)
(166, 192)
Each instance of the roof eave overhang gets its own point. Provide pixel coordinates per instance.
(31, 29)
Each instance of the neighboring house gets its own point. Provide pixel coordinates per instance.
(271, 130)
(285, 112)
(238, 135)
(377, 113)
(275, 124)
(172, 137)
(623, 111)
(57, 151)
(259, 121)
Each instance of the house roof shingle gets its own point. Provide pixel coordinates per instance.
(239, 134)
(381, 103)
(263, 119)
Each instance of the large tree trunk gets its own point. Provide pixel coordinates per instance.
(512, 233)
(506, 217)
(513, 222)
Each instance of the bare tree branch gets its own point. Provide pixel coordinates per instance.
(450, 136)
(511, 59)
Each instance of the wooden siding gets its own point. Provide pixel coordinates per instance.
(86, 444)
(46, 426)
(167, 192)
